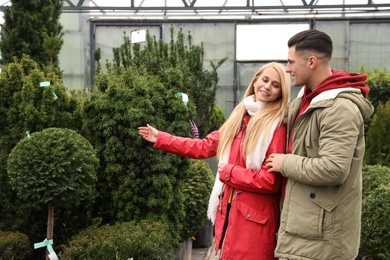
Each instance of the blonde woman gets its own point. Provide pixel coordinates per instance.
(244, 203)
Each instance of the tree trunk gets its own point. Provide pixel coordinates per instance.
(50, 227)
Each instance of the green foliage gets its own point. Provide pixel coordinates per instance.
(373, 177)
(378, 138)
(137, 240)
(136, 181)
(55, 167)
(178, 65)
(375, 212)
(52, 45)
(379, 82)
(217, 118)
(375, 239)
(26, 23)
(197, 190)
(138, 88)
(25, 106)
(14, 245)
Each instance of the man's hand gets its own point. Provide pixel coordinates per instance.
(220, 166)
(274, 161)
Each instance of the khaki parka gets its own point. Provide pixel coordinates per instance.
(321, 211)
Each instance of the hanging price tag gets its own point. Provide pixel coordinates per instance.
(138, 36)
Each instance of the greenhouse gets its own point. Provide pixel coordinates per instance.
(227, 28)
(79, 175)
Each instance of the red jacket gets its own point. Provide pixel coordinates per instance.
(249, 230)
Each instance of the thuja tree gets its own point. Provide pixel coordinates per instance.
(378, 137)
(33, 28)
(30, 101)
(136, 181)
(375, 239)
(53, 168)
(197, 189)
(379, 82)
(180, 53)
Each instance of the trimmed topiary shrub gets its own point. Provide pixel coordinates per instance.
(375, 239)
(55, 167)
(14, 245)
(126, 240)
(26, 106)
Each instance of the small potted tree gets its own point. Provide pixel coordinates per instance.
(55, 167)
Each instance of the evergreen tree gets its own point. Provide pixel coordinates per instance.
(379, 82)
(378, 137)
(136, 181)
(197, 189)
(29, 103)
(159, 58)
(32, 27)
(53, 168)
(141, 86)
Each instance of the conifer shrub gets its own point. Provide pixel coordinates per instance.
(14, 245)
(379, 82)
(27, 107)
(126, 240)
(54, 168)
(375, 237)
(378, 137)
(179, 65)
(140, 87)
(136, 181)
(33, 28)
(196, 190)
(375, 212)
(373, 177)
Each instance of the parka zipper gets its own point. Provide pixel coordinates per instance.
(227, 226)
(233, 193)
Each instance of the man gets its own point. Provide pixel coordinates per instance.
(323, 166)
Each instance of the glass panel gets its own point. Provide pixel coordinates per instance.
(218, 43)
(339, 32)
(370, 46)
(71, 57)
(265, 42)
(109, 37)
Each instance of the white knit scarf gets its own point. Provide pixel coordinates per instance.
(253, 161)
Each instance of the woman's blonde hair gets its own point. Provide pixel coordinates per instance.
(262, 121)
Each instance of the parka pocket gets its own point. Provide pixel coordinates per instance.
(250, 213)
(310, 213)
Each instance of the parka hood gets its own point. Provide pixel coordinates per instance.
(365, 107)
(355, 95)
(343, 84)
(345, 79)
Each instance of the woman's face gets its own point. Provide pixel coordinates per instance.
(267, 87)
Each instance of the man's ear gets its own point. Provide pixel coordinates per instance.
(313, 61)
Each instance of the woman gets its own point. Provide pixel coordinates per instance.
(244, 203)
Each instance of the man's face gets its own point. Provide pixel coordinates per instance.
(298, 65)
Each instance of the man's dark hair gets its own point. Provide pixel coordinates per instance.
(312, 40)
